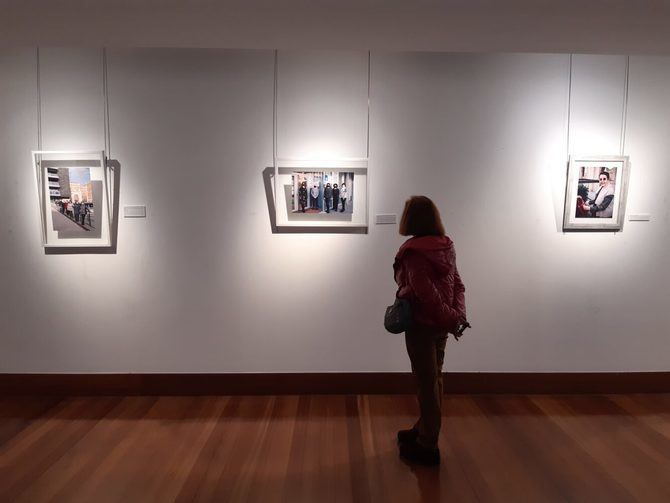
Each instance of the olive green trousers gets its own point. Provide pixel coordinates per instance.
(425, 347)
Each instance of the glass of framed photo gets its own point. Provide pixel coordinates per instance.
(74, 198)
(596, 193)
(323, 194)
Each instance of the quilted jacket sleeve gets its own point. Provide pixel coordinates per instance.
(427, 299)
(459, 294)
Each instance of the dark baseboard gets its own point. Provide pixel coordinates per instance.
(330, 383)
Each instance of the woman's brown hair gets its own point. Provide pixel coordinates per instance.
(420, 218)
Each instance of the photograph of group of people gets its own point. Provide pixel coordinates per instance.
(73, 208)
(77, 211)
(596, 192)
(320, 192)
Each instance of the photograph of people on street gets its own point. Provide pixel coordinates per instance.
(73, 202)
(323, 194)
(596, 191)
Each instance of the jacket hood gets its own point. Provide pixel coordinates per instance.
(437, 249)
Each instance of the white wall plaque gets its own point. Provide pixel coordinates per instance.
(134, 211)
(385, 218)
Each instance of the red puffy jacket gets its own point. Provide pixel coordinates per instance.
(426, 273)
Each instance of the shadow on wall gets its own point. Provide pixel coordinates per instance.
(115, 170)
(268, 176)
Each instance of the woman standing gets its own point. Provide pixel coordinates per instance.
(314, 198)
(426, 273)
(328, 197)
(336, 197)
(302, 196)
(344, 194)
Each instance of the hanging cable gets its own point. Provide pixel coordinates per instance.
(105, 112)
(624, 111)
(38, 159)
(274, 110)
(367, 155)
(567, 135)
(39, 102)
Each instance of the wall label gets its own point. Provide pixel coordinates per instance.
(134, 211)
(383, 218)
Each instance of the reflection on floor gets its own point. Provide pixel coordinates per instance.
(332, 448)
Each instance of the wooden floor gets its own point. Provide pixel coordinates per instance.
(332, 448)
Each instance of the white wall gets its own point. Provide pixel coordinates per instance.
(202, 284)
(322, 104)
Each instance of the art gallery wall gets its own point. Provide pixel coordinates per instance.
(204, 285)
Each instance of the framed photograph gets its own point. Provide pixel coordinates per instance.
(73, 197)
(596, 193)
(321, 193)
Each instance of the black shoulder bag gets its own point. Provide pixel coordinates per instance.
(398, 317)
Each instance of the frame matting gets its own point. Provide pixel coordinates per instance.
(47, 164)
(577, 182)
(286, 169)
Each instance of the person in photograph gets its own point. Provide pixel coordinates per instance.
(314, 197)
(77, 209)
(344, 194)
(336, 197)
(426, 273)
(328, 197)
(302, 196)
(61, 206)
(601, 205)
(83, 212)
(582, 197)
(65, 211)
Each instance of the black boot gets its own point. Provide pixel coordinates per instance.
(410, 435)
(416, 453)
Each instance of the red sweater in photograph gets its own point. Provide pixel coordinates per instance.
(427, 276)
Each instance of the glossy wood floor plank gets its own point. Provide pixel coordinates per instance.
(332, 448)
(17, 413)
(26, 457)
(497, 472)
(601, 431)
(398, 481)
(654, 414)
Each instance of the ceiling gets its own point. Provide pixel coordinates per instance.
(596, 26)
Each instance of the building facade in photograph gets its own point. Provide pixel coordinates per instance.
(59, 183)
(53, 179)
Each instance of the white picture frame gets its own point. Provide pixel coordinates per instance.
(355, 214)
(73, 214)
(592, 179)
